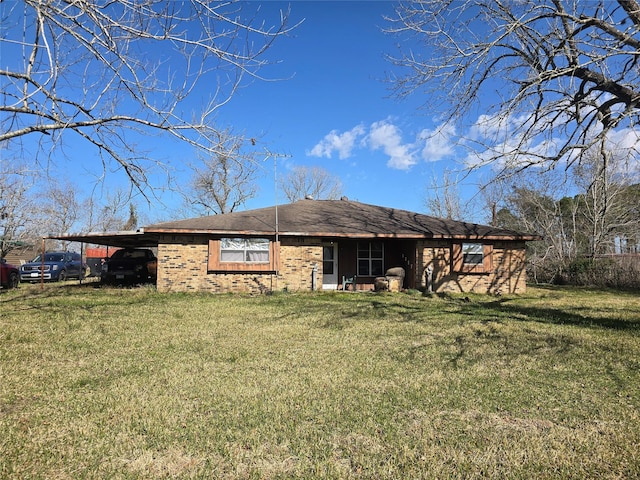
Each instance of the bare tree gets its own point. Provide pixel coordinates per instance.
(314, 182)
(106, 71)
(60, 209)
(580, 213)
(443, 197)
(562, 74)
(608, 211)
(227, 178)
(17, 207)
(108, 213)
(531, 203)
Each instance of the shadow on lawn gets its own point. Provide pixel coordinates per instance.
(584, 317)
(58, 296)
(517, 309)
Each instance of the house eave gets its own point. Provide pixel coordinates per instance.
(363, 235)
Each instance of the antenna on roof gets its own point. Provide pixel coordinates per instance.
(275, 156)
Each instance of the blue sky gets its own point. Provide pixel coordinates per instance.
(326, 104)
(337, 112)
(332, 108)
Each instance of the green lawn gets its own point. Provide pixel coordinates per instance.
(128, 383)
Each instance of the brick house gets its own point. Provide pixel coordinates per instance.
(318, 244)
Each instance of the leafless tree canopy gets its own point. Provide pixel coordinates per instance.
(443, 198)
(314, 182)
(552, 77)
(106, 212)
(101, 70)
(581, 214)
(17, 208)
(609, 202)
(60, 208)
(227, 178)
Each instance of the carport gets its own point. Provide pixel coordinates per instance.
(123, 239)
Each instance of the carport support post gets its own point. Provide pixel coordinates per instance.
(42, 264)
(81, 263)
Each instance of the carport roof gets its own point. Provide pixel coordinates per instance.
(125, 239)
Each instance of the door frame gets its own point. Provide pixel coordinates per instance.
(330, 281)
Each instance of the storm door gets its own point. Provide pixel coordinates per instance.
(330, 266)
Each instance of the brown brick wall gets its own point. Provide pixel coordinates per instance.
(297, 259)
(182, 263)
(507, 275)
(182, 266)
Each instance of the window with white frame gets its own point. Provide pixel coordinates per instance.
(370, 258)
(244, 250)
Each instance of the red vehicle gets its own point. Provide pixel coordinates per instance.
(9, 275)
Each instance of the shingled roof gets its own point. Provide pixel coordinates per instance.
(335, 218)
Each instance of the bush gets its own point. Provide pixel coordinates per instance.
(546, 272)
(609, 272)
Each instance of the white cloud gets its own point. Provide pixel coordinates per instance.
(382, 135)
(342, 143)
(499, 141)
(388, 137)
(624, 139)
(438, 143)
(495, 140)
(486, 126)
(497, 128)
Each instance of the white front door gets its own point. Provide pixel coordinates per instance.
(330, 266)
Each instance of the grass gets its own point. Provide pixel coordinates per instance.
(129, 383)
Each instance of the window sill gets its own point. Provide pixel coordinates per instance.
(266, 270)
(471, 271)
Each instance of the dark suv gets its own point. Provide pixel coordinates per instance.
(57, 266)
(130, 265)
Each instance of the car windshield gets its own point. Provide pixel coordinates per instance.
(50, 257)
